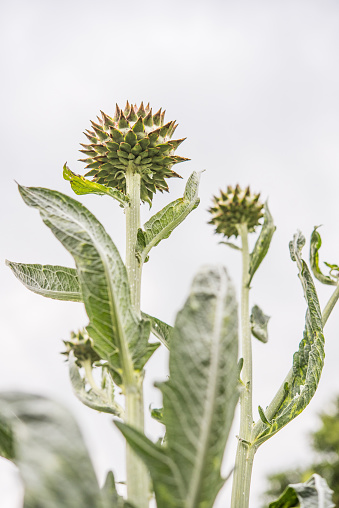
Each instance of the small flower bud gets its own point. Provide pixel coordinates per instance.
(81, 345)
(234, 207)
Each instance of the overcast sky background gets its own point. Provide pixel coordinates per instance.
(254, 87)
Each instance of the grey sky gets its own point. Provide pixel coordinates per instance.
(254, 87)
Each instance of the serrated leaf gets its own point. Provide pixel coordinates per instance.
(263, 243)
(314, 259)
(62, 283)
(161, 225)
(118, 335)
(259, 322)
(315, 493)
(160, 329)
(80, 185)
(57, 282)
(101, 400)
(50, 454)
(308, 361)
(199, 398)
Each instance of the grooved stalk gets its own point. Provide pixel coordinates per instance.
(330, 305)
(136, 472)
(245, 453)
(132, 225)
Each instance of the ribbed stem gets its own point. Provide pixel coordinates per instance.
(133, 266)
(245, 453)
(136, 472)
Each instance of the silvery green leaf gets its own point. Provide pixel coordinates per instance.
(101, 400)
(160, 329)
(308, 361)
(109, 493)
(119, 335)
(110, 497)
(314, 259)
(57, 282)
(263, 243)
(259, 322)
(50, 454)
(62, 283)
(80, 185)
(315, 493)
(199, 398)
(295, 246)
(161, 225)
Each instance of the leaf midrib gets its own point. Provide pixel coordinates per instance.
(174, 223)
(210, 398)
(126, 357)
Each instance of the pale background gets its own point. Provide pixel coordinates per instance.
(254, 87)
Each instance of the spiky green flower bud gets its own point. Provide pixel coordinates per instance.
(234, 207)
(81, 345)
(133, 137)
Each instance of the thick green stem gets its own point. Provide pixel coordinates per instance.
(133, 266)
(137, 475)
(245, 453)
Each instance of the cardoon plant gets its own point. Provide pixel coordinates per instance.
(129, 157)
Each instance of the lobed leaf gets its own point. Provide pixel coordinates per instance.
(308, 361)
(262, 244)
(315, 493)
(118, 335)
(50, 454)
(199, 398)
(80, 185)
(161, 225)
(57, 282)
(314, 259)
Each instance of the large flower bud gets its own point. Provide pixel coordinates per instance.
(133, 137)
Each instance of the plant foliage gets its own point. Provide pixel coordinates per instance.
(199, 398)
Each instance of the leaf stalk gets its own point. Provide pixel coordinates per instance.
(89, 377)
(330, 305)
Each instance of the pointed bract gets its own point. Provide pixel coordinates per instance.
(133, 137)
(234, 207)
